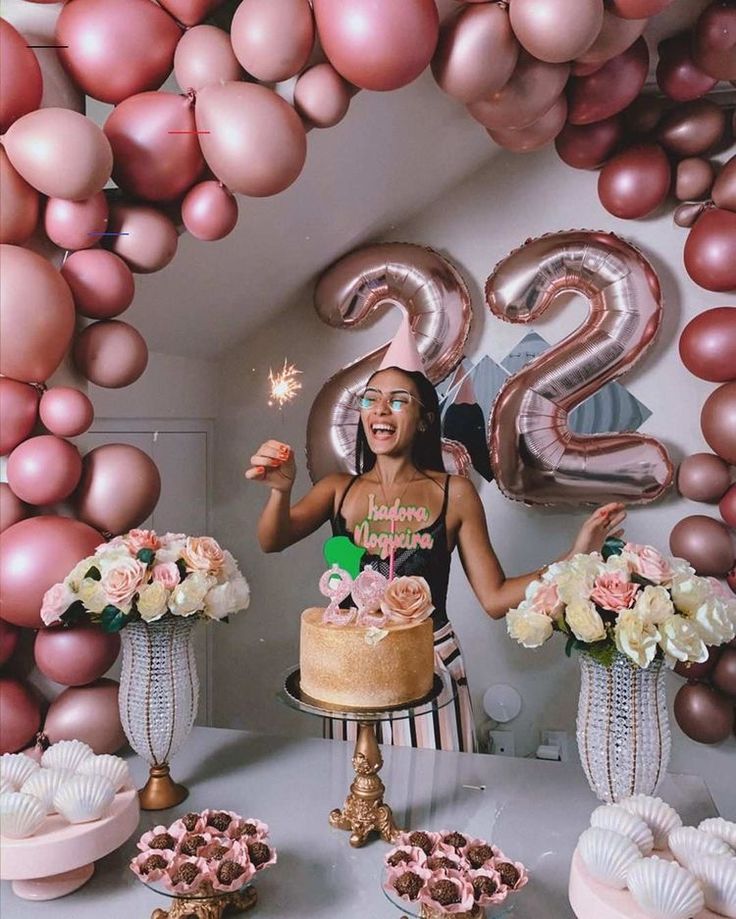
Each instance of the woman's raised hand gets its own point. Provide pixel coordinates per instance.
(273, 464)
(605, 521)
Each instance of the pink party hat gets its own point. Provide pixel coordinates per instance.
(403, 352)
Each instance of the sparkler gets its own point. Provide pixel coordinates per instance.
(284, 385)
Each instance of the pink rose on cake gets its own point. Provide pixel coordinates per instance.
(648, 563)
(613, 591)
(407, 599)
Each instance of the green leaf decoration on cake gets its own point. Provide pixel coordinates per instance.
(342, 551)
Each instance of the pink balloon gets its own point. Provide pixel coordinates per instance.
(76, 224)
(273, 39)
(724, 187)
(693, 178)
(710, 250)
(111, 353)
(685, 215)
(20, 77)
(87, 713)
(44, 469)
(256, 143)
(12, 509)
(204, 55)
(19, 204)
(34, 555)
(644, 114)
(692, 128)
(101, 283)
(615, 36)
(588, 146)
(146, 239)
(120, 487)
(638, 9)
(635, 182)
(20, 715)
(366, 40)
(703, 477)
(718, 422)
(705, 543)
(75, 656)
(65, 411)
(727, 507)
(535, 135)
(9, 635)
(209, 211)
(156, 148)
(714, 41)
(190, 12)
(610, 89)
(678, 76)
(321, 96)
(18, 413)
(116, 47)
(558, 30)
(708, 345)
(30, 286)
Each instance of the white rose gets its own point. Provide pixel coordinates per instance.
(188, 597)
(619, 563)
(636, 637)
(654, 604)
(229, 565)
(680, 641)
(153, 601)
(530, 629)
(531, 588)
(689, 591)
(589, 566)
(713, 622)
(76, 575)
(241, 590)
(681, 566)
(113, 558)
(574, 587)
(584, 620)
(227, 598)
(172, 545)
(93, 596)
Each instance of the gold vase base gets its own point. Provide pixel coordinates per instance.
(160, 791)
(208, 907)
(477, 912)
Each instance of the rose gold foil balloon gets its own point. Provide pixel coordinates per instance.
(378, 44)
(644, 114)
(727, 507)
(724, 675)
(531, 92)
(637, 9)
(708, 345)
(556, 30)
(635, 182)
(718, 422)
(209, 211)
(703, 477)
(694, 671)
(678, 76)
(30, 286)
(101, 283)
(20, 714)
(146, 238)
(476, 53)
(87, 713)
(610, 89)
(9, 634)
(155, 144)
(724, 187)
(18, 413)
(34, 555)
(76, 224)
(65, 411)
(20, 77)
(321, 96)
(75, 656)
(256, 143)
(120, 487)
(534, 455)
(19, 204)
(12, 509)
(693, 178)
(692, 128)
(710, 250)
(204, 55)
(714, 41)
(116, 47)
(685, 215)
(588, 146)
(703, 713)
(111, 353)
(190, 12)
(705, 543)
(272, 39)
(350, 293)
(614, 37)
(535, 135)
(44, 469)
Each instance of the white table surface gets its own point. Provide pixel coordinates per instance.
(533, 810)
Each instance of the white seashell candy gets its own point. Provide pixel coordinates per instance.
(20, 815)
(84, 797)
(607, 855)
(66, 754)
(686, 843)
(112, 767)
(717, 876)
(15, 768)
(723, 829)
(664, 890)
(658, 816)
(43, 784)
(613, 817)
(6, 786)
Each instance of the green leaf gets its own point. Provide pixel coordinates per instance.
(612, 546)
(571, 642)
(602, 651)
(94, 574)
(113, 619)
(182, 569)
(146, 556)
(74, 614)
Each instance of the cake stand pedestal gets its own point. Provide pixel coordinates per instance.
(365, 811)
(206, 904)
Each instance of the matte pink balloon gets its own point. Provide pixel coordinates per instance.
(111, 353)
(588, 146)
(615, 36)
(610, 89)
(87, 713)
(20, 715)
(76, 224)
(678, 76)
(256, 143)
(693, 178)
(146, 238)
(635, 182)
(724, 187)
(18, 413)
(705, 543)
(9, 635)
(272, 39)
(75, 656)
(718, 422)
(209, 211)
(703, 477)
(703, 713)
(20, 77)
(556, 30)
(190, 12)
(366, 40)
(692, 128)
(714, 40)
(19, 204)
(535, 135)
(708, 345)
(637, 9)
(44, 469)
(476, 53)
(101, 283)
(116, 47)
(12, 509)
(710, 250)
(35, 554)
(644, 114)
(321, 96)
(727, 507)
(31, 286)
(204, 55)
(120, 487)
(156, 148)
(65, 411)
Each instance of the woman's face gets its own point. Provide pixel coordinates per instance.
(391, 413)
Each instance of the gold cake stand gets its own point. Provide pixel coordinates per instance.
(365, 811)
(206, 903)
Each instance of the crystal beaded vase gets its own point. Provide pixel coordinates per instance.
(623, 729)
(159, 691)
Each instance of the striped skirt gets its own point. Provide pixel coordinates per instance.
(449, 728)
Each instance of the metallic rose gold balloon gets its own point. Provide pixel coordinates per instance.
(65, 411)
(727, 507)
(710, 250)
(588, 146)
(556, 30)
(75, 656)
(20, 77)
(714, 44)
(724, 675)
(9, 634)
(535, 135)
(718, 422)
(12, 509)
(685, 215)
(703, 477)
(635, 182)
(724, 188)
(204, 55)
(614, 37)
(362, 283)
(19, 204)
(190, 12)
(708, 345)
(678, 76)
(534, 455)
(44, 469)
(693, 178)
(272, 39)
(76, 224)
(18, 413)
(644, 114)
(87, 713)
(705, 542)
(101, 283)
(20, 714)
(692, 128)
(703, 713)
(612, 88)
(111, 353)
(209, 211)
(456, 458)
(321, 96)
(146, 240)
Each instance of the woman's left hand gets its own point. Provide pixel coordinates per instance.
(605, 521)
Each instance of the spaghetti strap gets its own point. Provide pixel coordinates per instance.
(443, 512)
(342, 499)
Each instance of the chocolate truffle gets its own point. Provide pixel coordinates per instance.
(420, 839)
(190, 821)
(152, 863)
(192, 844)
(483, 886)
(229, 871)
(162, 841)
(216, 853)
(408, 885)
(220, 821)
(185, 874)
(509, 874)
(444, 892)
(479, 855)
(398, 857)
(456, 840)
(259, 853)
(440, 861)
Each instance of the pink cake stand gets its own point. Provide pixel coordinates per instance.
(64, 853)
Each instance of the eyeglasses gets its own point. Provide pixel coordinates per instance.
(397, 400)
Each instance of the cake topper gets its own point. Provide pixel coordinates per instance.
(341, 551)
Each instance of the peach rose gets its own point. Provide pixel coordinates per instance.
(122, 581)
(167, 574)
(203, 553)
(142, 539)
(407, 599)
(56, 601)
(648, 563)
(547, 600)
(613, 591)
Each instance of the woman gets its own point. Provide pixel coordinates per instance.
(399, 457)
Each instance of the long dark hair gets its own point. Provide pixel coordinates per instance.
(426, 449)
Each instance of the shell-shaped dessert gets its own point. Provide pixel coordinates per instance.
(723, 829)
(615, 818)
(20, 815)
(607, 855)
(686, 843)
(66, 754)
(111, 767)
(659, 816)
(717, 876)
(15, 768)
(6, 787)
(84, 798)
(43, 785)
(664, 890)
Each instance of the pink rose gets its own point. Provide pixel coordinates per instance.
(648, 563)
(56, 601)
(547, 601)
(142, 539)
(407, 599)
(612, 591)
(168, 574)
(202, 553)
(121, 582)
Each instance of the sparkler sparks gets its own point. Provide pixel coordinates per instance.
(284, 385)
